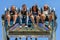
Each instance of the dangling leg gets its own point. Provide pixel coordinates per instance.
(32, 18)
(14, 18)
(50, 19)
(43, 17)
(37, 19)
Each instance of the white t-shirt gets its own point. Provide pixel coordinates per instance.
(45, 12)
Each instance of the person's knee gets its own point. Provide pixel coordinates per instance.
(15, 15)
(8, 16)
(38, 17)
(43, 16)
(32, 17)
(50, 17)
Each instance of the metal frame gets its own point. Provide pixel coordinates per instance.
(51, 36)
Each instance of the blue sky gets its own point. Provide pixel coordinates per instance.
(29, 3)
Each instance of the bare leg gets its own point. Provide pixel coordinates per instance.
(14, 18)
(32, 18)
(35, 38)
(50, 19)
(43, 18)
(37, 19)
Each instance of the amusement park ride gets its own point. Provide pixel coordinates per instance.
(30, 30)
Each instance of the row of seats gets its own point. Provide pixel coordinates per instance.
(26, 19)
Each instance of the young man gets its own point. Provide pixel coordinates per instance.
(35, 14)
(12, 14)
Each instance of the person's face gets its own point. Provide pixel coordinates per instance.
(13, 8)
(45, 8)
(34, 8)
(24, 7)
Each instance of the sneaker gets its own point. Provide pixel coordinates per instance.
(26, 26)
(9, 25)
(20, 26)
(49, 27)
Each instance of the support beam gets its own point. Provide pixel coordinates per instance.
(8, 38)
(4, 36)
(54, 36)
(35, 38)
(30, 38)
(20, 38)
(26, 38)
(15, 38)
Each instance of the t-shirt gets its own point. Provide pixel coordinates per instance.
(23, 13)
(45, 12)
(35, 13)
(12, 12)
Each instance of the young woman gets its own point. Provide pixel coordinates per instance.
(12, 14)
(46, 15)
(35, 14)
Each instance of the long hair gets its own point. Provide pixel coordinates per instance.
(35, 7)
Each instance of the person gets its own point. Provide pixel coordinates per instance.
(24, 15)
(46, 15)
(35, 13)
(12, 14)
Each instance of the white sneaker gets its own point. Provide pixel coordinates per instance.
(26, 26)
(20, 26)
(49, 26)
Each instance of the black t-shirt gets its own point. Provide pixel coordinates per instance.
(12, 12)
(35, 13)
(23, 12)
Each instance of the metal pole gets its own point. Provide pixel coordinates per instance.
(49, 38)
(15, 38)
(20, 38)
(54, 36)
(8, 38)
(26, 38)
(30, 38)
(35, 38)
(4, 35)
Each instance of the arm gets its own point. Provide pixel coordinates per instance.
(39, 13)
(30, 13)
